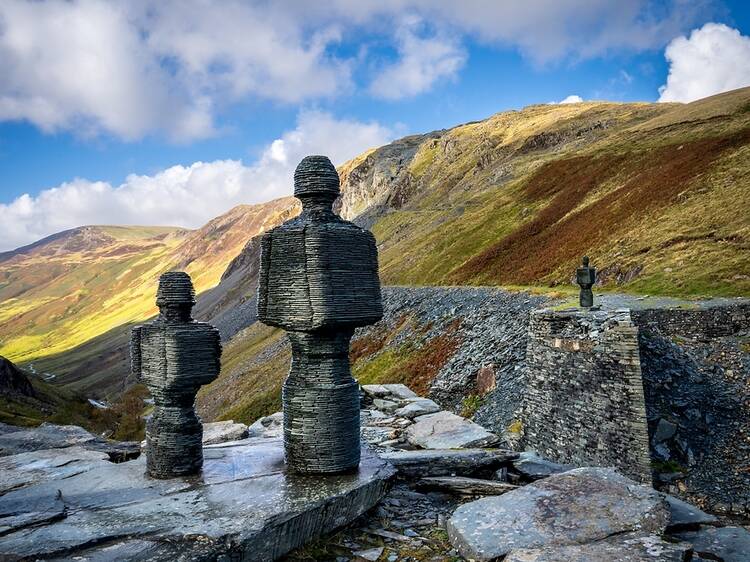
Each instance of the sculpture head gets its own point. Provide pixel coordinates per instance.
(175, 296)
(316, 183)
(585, 261)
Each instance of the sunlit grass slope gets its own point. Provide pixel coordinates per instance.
(657, 194)
(77, 285)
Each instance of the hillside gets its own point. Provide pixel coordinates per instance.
(657, 194)
(74, 286)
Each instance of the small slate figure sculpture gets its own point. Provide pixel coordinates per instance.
(586, 277)
(174, 356)
(319, 281)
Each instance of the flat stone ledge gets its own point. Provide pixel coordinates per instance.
(244, 506)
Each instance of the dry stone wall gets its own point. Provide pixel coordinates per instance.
(584, 401)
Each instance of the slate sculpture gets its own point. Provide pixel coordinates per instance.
(174, 356)
(319, 281)
(586, 277)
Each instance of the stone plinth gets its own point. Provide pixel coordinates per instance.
(584, 403)
(244, 506)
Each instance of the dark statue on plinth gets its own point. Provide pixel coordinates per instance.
(586, 277)
(319, 281)
(174, 356)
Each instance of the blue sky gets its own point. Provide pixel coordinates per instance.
(173, 112)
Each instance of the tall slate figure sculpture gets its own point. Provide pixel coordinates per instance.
(174, 356)
(319, 281)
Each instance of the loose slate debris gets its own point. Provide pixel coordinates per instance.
(319, 280)
(446, 462)
(684, 516)
(464, 485)
(174, 356)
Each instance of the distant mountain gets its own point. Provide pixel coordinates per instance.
(657, 194)
(74, 286)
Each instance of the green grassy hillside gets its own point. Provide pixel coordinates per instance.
(657, 194)
(76, 286)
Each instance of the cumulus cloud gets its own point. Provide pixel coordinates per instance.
(173, 67)
(193, 194)
(422, 61)
(713, 59)
(570, 99)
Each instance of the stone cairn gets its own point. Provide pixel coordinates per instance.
(586, 277)
(319, 281)
(174, 356)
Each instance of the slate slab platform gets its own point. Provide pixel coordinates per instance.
(244, 506)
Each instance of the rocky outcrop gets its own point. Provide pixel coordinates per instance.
(13, 382)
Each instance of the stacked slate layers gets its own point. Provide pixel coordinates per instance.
(174, 356)
(319, 281)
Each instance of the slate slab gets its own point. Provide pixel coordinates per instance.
(17, 471)
(533, 467)
(575, 507)
(684, 516)
(621, 548)
(223, 431)
(243, 505)
(445, 430)
(400, 391)
(446, 462)
(729, 544)
(464, 485)
(417, 407)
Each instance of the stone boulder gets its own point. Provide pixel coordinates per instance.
(445, 430)
(223, 431)
(269, 426)
(447, 462)
(576, 507)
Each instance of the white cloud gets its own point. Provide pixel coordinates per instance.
(714, 59)
(423, 60)
(570, 99)
(174, 66)
(187, 195)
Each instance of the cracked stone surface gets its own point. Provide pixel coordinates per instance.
(575, 507)
(243, 504)
(445, 430)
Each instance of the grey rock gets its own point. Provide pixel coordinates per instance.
(445, 430)
(417, 407)
(370, 554)
(269, 426)
(387, 406)
(464, 485)
(446, 462)
(243, 505)
(376, 435)
(375, 390)
(223, 431)
(728, 544)
(629, 547)
(665, 430)
(533, 467)
(575, 507)
(400, 391)
(684, 515)
(14, 440)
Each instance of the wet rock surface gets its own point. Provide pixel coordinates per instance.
(243, 504)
